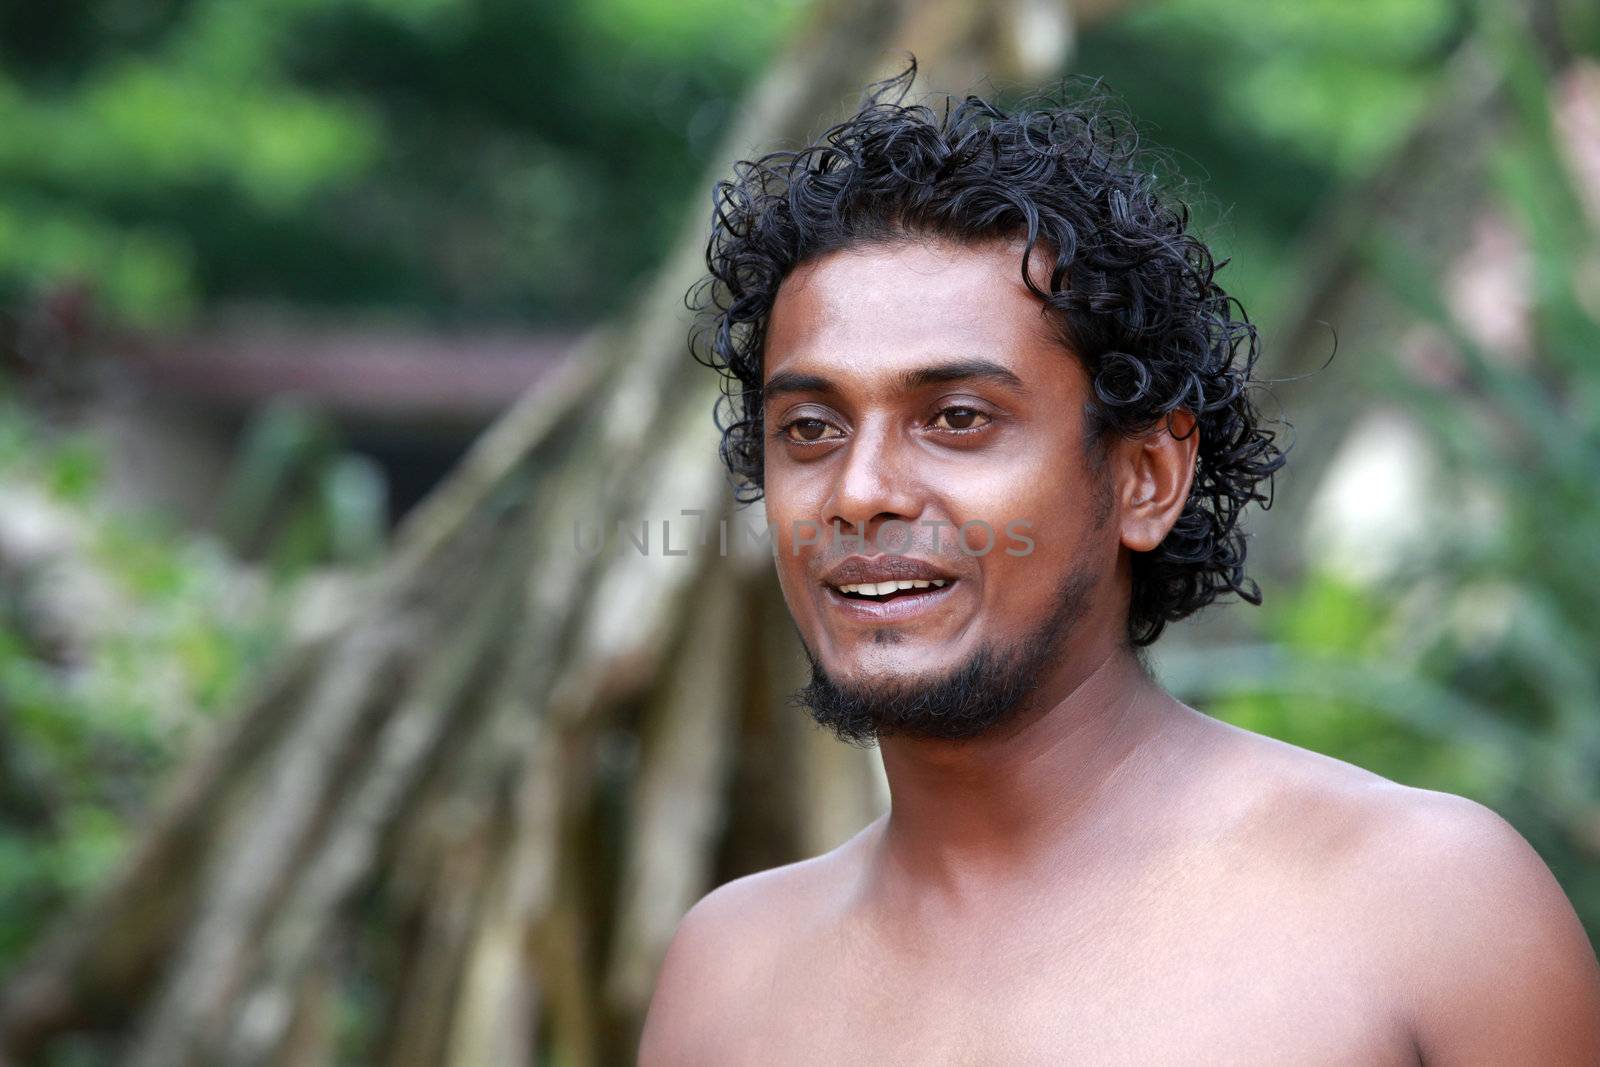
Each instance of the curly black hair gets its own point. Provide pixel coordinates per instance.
(1133, 291)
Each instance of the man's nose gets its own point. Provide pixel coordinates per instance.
(874, 485)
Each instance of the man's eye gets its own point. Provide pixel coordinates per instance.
(959, 418)
(807, 430)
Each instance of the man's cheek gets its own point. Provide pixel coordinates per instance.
(803, 535)
(792, 541)
(1008, 532)
(1019, 537)
(976, 537)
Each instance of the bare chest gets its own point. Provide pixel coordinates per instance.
(1149, 983)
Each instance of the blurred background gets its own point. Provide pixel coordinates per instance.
(322, 322)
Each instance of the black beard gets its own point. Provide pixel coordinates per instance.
(968, 701)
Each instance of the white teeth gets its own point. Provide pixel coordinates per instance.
(885, 588)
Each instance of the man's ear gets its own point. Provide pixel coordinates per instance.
(1156, 473)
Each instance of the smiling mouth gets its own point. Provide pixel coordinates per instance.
(901, 601)
(882, 592)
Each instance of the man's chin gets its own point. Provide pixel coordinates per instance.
(882, 681)
(983, 690)
(950, 705)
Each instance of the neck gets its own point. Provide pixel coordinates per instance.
(1035, 796)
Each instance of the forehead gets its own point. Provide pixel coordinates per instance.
(863, 314)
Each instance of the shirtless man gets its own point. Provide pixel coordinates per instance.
(1077, 868)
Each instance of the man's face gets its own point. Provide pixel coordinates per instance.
(916, 397)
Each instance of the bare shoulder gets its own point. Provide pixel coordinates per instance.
(724, 946)
(1489, 959)
(1498, 966)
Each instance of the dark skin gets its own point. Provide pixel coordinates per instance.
(1108, 876)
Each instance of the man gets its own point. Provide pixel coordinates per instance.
(997, 406)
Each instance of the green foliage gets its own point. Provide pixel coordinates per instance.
(116, 647)
(1272, 107)
(464, 159)
(295, 498)
(1473, 669)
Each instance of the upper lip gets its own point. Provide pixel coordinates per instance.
(859, 570)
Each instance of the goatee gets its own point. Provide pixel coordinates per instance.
(964, 703)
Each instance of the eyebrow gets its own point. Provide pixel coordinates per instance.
(958, 370)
